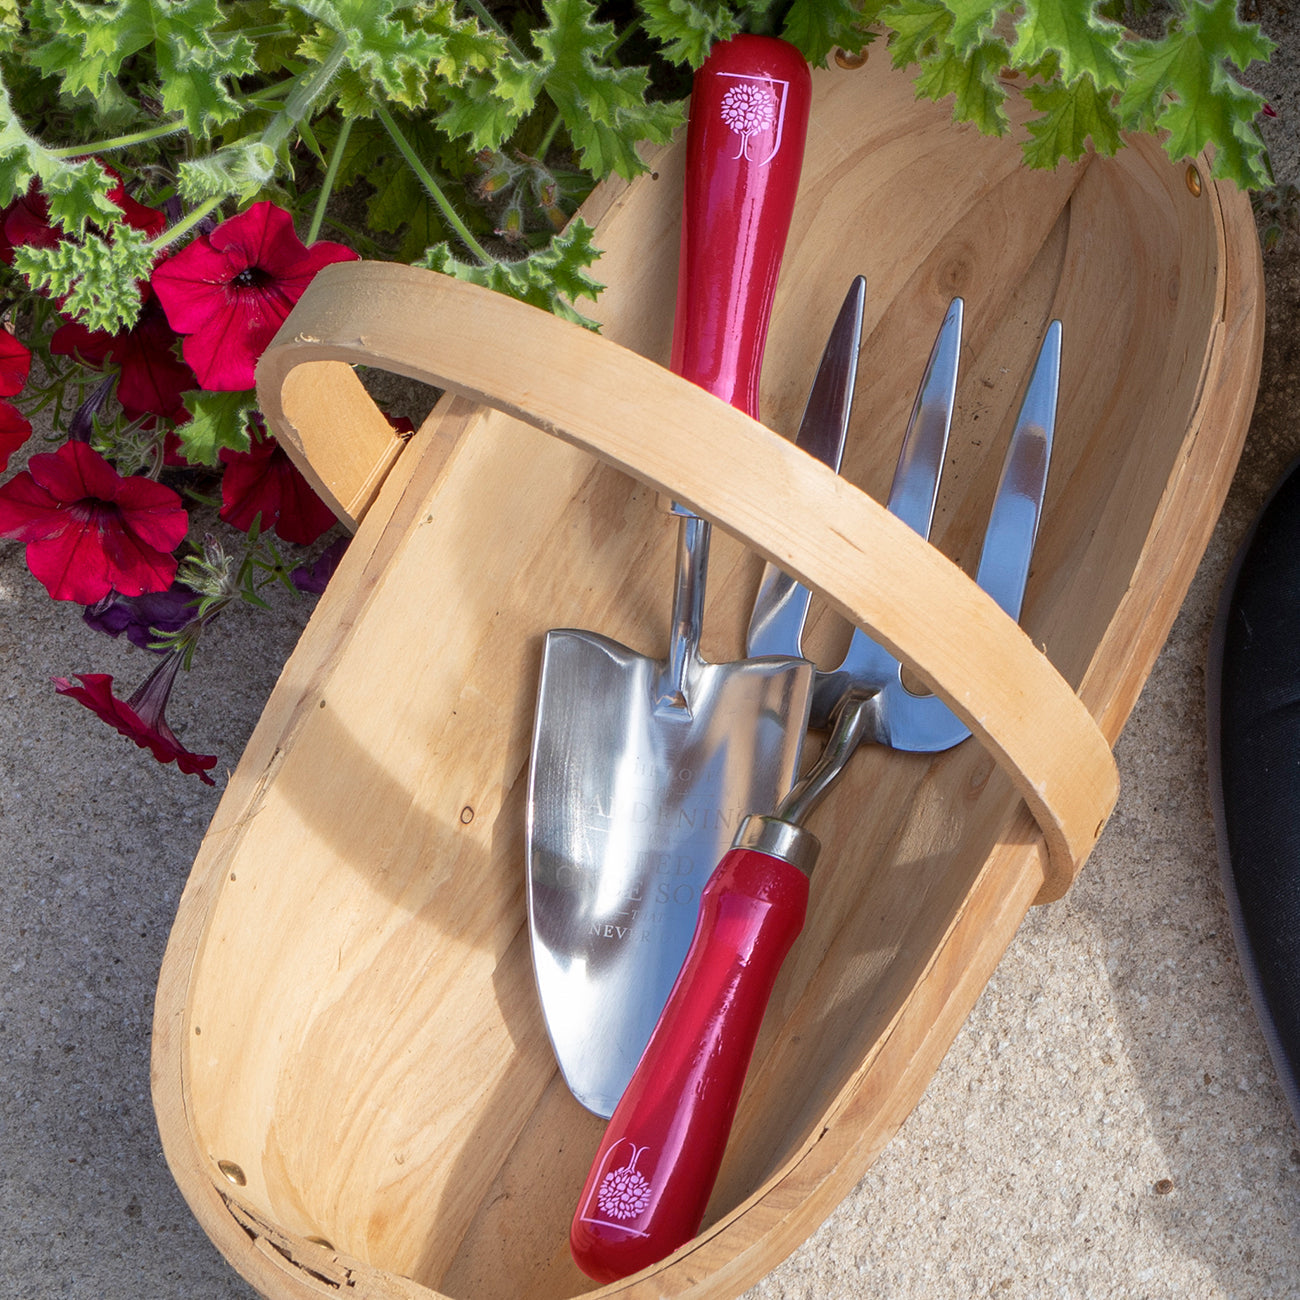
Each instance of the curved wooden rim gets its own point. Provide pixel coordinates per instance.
(644, 420)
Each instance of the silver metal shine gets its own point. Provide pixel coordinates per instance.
(642, 772)
(904, 719)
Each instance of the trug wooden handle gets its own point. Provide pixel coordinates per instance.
(720, 464)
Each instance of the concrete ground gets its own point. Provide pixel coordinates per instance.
(1107, 1123)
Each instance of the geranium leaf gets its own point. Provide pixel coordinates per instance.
(241, 169)
(604, 109)
(1085, 43)
(688, 28)
(216, 420)
(86, 45)
(1071, 116)
(819, 26)
(395, 45)
(96, 279)
(921, 30)
(551, 279)
(972, 81)
(1181, 84)
(485, 110)
(973, 20)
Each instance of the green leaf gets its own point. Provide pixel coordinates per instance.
(1181, 84)
(395, 45)
(96, 278)
(973, 21)
(1086, 44)
(551, 279)
(216, 420)
(921, 30)
(817, 27)
(86, 46)
(242, 169)
(604, 109)
(1071, 116)
(486, 110)
(972, 81)
(688, 28)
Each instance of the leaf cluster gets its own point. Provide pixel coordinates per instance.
(381, 122)
(1088, 77)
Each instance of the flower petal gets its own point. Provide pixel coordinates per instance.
(15, 364)
(96, 693)
(15, 429)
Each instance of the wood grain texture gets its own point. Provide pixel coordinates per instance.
(346, 1012)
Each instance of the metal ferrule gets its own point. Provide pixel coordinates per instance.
(779, 839)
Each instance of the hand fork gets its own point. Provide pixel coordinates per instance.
(656, 1165)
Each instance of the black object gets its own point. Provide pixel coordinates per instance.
(1254, 758)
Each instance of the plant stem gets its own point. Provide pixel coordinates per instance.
(119, 141)
(185, 224)
(305, 93)
(480, 12)
(433, 188)
(327, 186)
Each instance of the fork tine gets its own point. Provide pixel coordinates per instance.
(923, 723)
(781, 607)
(920, 461)
(1018, 506)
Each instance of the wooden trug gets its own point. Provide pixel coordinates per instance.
(352, 1079)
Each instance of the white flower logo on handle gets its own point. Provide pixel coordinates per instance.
(754, 108)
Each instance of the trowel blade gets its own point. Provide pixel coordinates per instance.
(632, 801)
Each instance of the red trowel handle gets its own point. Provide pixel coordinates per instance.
(744, 152)
(651, 1179)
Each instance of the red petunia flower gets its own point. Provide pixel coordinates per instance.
(141, 717)
(90, 531)
(263, 480)
(15, 429)
(229, 291)
(15, 364)
(153, 380)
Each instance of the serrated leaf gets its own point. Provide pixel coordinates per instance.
(921, 30)
(817, 27)
(604, 109)
(486, 110)
(1070, 117)
(973, 21)
(1181, 84)
(972, 81)
(97, 280)
(86, 45)
(395, 45)
(216, 420)
(688, 28)
(242, 170)
(1086, 44)
(551, 279)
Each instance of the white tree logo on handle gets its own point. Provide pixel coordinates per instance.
(753, 107)
(749, 108)
(624, 1192)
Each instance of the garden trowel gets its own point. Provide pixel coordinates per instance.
(641, 768)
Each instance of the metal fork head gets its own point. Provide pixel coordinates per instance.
(900, 717)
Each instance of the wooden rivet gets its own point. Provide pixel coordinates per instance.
(466, 815)
(1194, 180)
(849, 61)
(232, 1172)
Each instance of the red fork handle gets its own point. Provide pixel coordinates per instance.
(656, 1166)
(744, 153)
